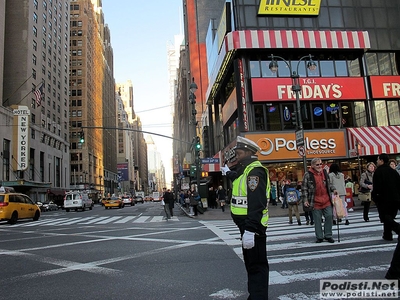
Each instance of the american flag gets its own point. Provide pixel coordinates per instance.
(39, 94)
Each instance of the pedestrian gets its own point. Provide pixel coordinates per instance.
(170, 196)
(273, 195)
(249, 210)
(386, 195)
(350, 185)
(366, 182)
(187, 199)
(221, 197)
(336, 177)
(393, 163)
(166, 199)
(316, 192)
(194, 201)
(212, 198)
(292, 196)
(285, 184)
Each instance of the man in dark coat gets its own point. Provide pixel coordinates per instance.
(386, 194)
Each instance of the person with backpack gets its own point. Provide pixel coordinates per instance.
(292, 197)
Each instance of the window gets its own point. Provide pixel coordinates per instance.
(34, 59)
(34, 46)
(259, 117)
(34, 31)
(35, 17)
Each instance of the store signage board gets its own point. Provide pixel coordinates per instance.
(385, 86)
(289, 7)
(333, 88)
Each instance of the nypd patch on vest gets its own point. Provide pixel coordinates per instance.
(252, 182)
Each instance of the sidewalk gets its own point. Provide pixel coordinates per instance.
(274, 211)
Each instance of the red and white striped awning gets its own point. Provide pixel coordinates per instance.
(373, 140)
(270, 39)
(213, 167)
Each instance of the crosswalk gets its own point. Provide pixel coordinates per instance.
(94, 220)
(296, 244)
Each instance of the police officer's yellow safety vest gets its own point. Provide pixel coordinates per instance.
(239, 193)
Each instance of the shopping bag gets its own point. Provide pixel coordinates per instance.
(162, 203)
(339, 207)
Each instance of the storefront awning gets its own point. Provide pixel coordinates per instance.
(306, 39)
(373, 140)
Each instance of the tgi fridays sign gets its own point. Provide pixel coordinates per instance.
(336, 88)
(21, 136)
(385, 86)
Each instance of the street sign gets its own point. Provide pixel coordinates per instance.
(210, 160)
(301, 151)
(299, 137)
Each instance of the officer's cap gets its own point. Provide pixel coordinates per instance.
(246, 144)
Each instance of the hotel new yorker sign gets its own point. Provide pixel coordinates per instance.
(21, 137)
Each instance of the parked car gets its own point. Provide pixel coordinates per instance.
(113, 202)
(128, 200)
(47, 206)
(77, 200)
(16, 206)
(139, 199)
(148, 198)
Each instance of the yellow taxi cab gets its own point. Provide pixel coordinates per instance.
(16, 206)
(113, 201)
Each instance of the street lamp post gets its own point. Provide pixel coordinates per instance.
(101, 186)
(192, 99)
(84, 174)
(296, 88)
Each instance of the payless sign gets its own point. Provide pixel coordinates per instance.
(289, 7)
(282, 146)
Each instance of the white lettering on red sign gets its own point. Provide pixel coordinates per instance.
(243, 95)
(391, 89)
(311, 91)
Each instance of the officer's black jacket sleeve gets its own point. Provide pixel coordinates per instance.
(256, 199)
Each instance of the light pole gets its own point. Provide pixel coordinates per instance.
(101, 185)
(296, 88)
(192, 99)
(84, 183)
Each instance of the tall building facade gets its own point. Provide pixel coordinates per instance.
(347, 102)
(36, 43)
(92, 96)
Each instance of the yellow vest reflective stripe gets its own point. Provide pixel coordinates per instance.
(239, 193)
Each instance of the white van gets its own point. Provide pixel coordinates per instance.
(77, 200)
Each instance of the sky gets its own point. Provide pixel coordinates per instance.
(140, 31)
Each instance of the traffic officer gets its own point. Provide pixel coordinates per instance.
(249, 210)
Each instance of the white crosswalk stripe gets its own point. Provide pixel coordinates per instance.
(284, 240)
(93, 220)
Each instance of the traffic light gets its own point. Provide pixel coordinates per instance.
(294, 118)
(197, 146)
(81, 137)
(193, 170)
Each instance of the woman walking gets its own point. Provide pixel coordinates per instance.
(337, 179)
(221, 197)
(366, 187)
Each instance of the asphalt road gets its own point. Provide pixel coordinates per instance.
(132, 253)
